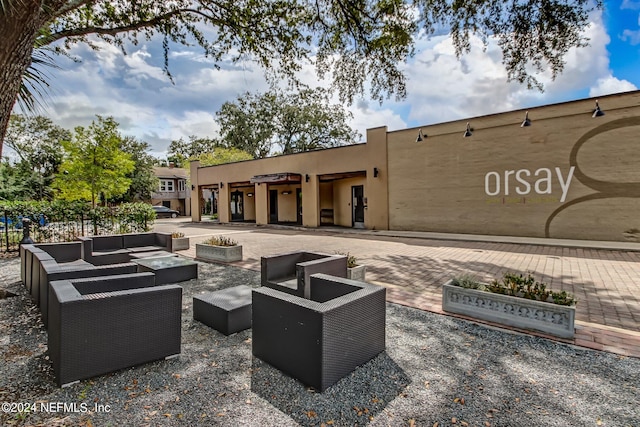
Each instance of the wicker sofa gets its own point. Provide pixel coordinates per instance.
(100, 325)
(46, 262)
(290, 272)
(322, 339)
(114, 249)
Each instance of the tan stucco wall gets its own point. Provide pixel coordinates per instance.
(347, 159)
(448, 183)
(342, 203)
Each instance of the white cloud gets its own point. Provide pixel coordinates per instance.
(630, 4)
(443, 88)
(609, 84)
(633, 37)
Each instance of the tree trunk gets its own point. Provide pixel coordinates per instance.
(19, 24)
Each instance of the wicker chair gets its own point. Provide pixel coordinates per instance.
(100, 325)
(319, 340)
(290, 272)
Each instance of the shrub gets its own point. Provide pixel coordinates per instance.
(352, 261)
(177, 234)
(467, 281)
(518, 285)
(220, 241)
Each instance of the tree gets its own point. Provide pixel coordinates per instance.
(37, 143)
(222, 155)
(143, 179)
(360, 43)
(180, 151)
(276, 122)
(94, 164)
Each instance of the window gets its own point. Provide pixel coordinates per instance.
(181, 185)
(166, 185)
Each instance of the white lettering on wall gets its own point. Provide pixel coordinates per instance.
(487, 184)
(496, 184)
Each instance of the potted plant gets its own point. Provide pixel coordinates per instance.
(355, 271)
(219, 248)
(516, 300)
(179, 242)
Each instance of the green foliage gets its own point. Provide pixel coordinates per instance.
(143, 179)
(352, 261)
(63, 219)
(467, 281)
(220, 241)
(94, 164)
(518, 285)
(221, 156)
(180, 150)
(37, 143)
(134, 217)
(284, 123)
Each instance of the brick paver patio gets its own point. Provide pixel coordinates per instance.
(605, 282)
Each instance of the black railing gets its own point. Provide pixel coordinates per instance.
(67, 228)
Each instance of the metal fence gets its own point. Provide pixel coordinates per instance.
(65, 229)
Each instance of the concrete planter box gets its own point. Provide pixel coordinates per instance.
(357, 273)
(179, 243)
(218, 253)
(552, 319)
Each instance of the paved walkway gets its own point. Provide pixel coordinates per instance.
(413, 266)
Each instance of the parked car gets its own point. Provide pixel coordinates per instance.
(165, 212)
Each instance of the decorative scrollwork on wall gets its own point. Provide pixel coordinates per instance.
(604, 189)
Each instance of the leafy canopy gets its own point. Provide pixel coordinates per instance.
(284, 123)
(37, 144)
(361, 42)
(94, 164)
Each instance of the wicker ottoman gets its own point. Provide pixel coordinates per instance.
(227, 311)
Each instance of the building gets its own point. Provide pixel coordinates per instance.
(173, 189)
(568, 170)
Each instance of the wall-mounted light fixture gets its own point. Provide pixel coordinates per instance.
(597, 112)
(421, 136)
(467, 133)
(526, 122)
(286, 192)
(306, 177)
(249, 194)
(193, 187)
(221, 184)
(376, 172)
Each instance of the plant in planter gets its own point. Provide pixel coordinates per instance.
(178, 241)
(516, 300)
(355, 271)
(219, 248)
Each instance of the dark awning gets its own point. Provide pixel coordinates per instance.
(278, 178)
(341, 175)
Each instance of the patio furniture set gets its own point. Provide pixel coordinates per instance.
(308, 320)
(106, 307)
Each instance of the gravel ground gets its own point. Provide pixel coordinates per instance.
(436, 369)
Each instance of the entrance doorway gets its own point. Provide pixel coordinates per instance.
(237, 206)
(273, 206)
(357, 199)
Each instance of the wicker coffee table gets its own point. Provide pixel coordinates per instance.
(169, 269)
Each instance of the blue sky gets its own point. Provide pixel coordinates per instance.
(134, 90)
